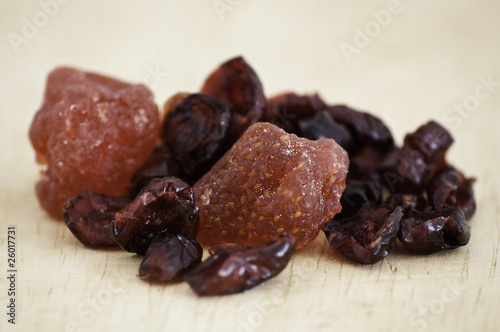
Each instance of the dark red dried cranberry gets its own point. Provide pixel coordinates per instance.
(168, 258)
(160, 164)
(286, 109)
(236, 84)
(195, 131)
(230, 271)
(451, 188)
(422, 156)
(321, 125)
(88, 215)
(164, 206)
(368, 236)
(365, 128)
(427, 232)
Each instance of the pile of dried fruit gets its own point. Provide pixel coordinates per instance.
(255, 178)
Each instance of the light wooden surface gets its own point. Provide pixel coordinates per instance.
(428, 57)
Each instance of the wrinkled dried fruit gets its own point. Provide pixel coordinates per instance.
(451, 188)
(160, 164)
(422, 156)
(168, 258)
(367, 129)
(228, 272)
(285, 110)
(93, 132)
(164, 206)
(427, 232)
(88, 215)
(321, 125)
(368, 236)
(271, 182)
(236, 84)
(195, 131)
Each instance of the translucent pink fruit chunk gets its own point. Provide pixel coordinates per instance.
(268, 183)
(93, 132)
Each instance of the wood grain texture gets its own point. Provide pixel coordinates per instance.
(428, 58)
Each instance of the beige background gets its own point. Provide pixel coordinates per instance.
(429, 56)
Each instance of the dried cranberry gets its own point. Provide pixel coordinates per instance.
(367, 129)
(427, 232)
(195, 131)
(230, 271)
(285, 110)
(422, 156)
(368, 236)
(88, 215)
(321, 125)
(168, 258)
(236, 84)
(451, 188)
(164, 206)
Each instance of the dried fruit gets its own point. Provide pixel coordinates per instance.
(271, 182)
(93, 132)
(228, 272)
(451, 188)
(98, 133)
(88, 215)
(427, 232)
(366, 128)
(164, 206)
(422, 156)
(169, 257)
(285, 110)
(321, 125)
(368, 236)
(236, 84)
(195, 131)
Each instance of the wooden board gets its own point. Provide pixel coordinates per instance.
(424, 59)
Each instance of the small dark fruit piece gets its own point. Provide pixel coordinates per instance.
(195, 131)
(233, 271)
(164, 206)
(168, 258)
(368, 236)
(88, 215)
(427, 232)
(237, 85)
